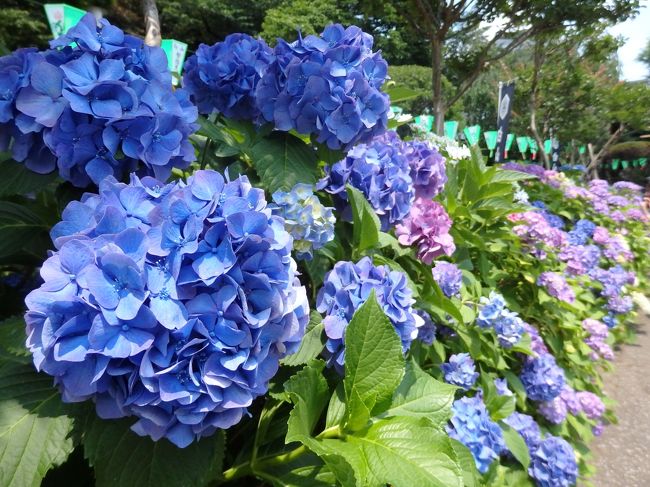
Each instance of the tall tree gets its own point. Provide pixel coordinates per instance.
(511, 24)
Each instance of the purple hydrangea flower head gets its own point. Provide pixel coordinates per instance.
(542, 378)
(555, 410)
(601, 235)
(381, 172)
(426, 332)
(537, 235)
(537, 344)
(580, 259)
(460, 371)
(471, 425)
(598, 429)
(309, 222)
(427, 168)
(327, 85)
(556, 286)
(620, 304)
(613, 280)
(449, 277)
(97, 109)
(171, 303)
(591, 404)
(347, 286)
(527, 427)
(597, 339)
(427, 226)
(553, 463)
(570, 400)
(224, 77)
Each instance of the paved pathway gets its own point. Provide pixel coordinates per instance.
(622, 453)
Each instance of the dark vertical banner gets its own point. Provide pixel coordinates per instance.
(506, 96)
(555, 151)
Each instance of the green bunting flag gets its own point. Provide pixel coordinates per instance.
(397, 110)
(509, 140)
(643, 161)
(582, 149)
(635, 163)
(548, 145)
(490, 140)
(424, 122)
(625, 164)
(615, 163)
(533, 145)
(61, 17)
(451, 128)
(175, 51)
(472, 134)
(522, 145)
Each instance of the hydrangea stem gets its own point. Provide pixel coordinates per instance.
(260, 466)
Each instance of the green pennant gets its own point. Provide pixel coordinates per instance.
(582, 149)
(509, 140)
(615, 163)
(175, 51)
(643, 161)
(548, 146)
(490, 140)
(533, 145)
(62, 17)
(424, 122)
(451, 128)
(397, 110)
(472, 134)
(635, 163)
(625, 164)
(522, 145)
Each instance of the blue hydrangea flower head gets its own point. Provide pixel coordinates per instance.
(555, 411)
(427, 331)
(501, 386)
(527, 427)
(223, 77)
(449, 277)
(460, 371)
(509, 328)
(471, 425)
(95, 110)
(610, 320)
(347, 286)
(171, 303)
(553, 464)
(327, 85)
(381, 172)
(542, 378)
(309, 222)
(490, 310)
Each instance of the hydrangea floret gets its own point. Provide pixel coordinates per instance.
(171, 303)
(493, 313)
(543, 379)
(449, 277)
(556, 286)
(553, 463)
(460, 371)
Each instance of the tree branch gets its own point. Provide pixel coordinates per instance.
(151, 23)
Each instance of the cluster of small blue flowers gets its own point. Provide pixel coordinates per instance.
(309, 222)
(527, 427)
(460, 371)
(472, 426)
(347, 286)
(223, 77)
(381, 172)
(427, 331)
(327, 85)
(553, 463)
(493, 313)
(542, 377)
(582, 231)
(449, 277)
(96, 109)
(172, 303)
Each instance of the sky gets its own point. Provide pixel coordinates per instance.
(636, 33)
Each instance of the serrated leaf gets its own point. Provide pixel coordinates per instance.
(506, 175)
(374, 364)
(308, 392)
(17, 179)
(35, 432)
(336, 407)
(306, 471)
(281, 160)
(399, 94)
(515, 444)
(366, 226)
(421, 396)
(22, 231)
(120, 457)
(407, 452)
(12, 340)
(471, 475)
(312, 343)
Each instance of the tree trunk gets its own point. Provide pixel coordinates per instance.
(151, 23)
(534, 90)
(439, 108)
(592, 168)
